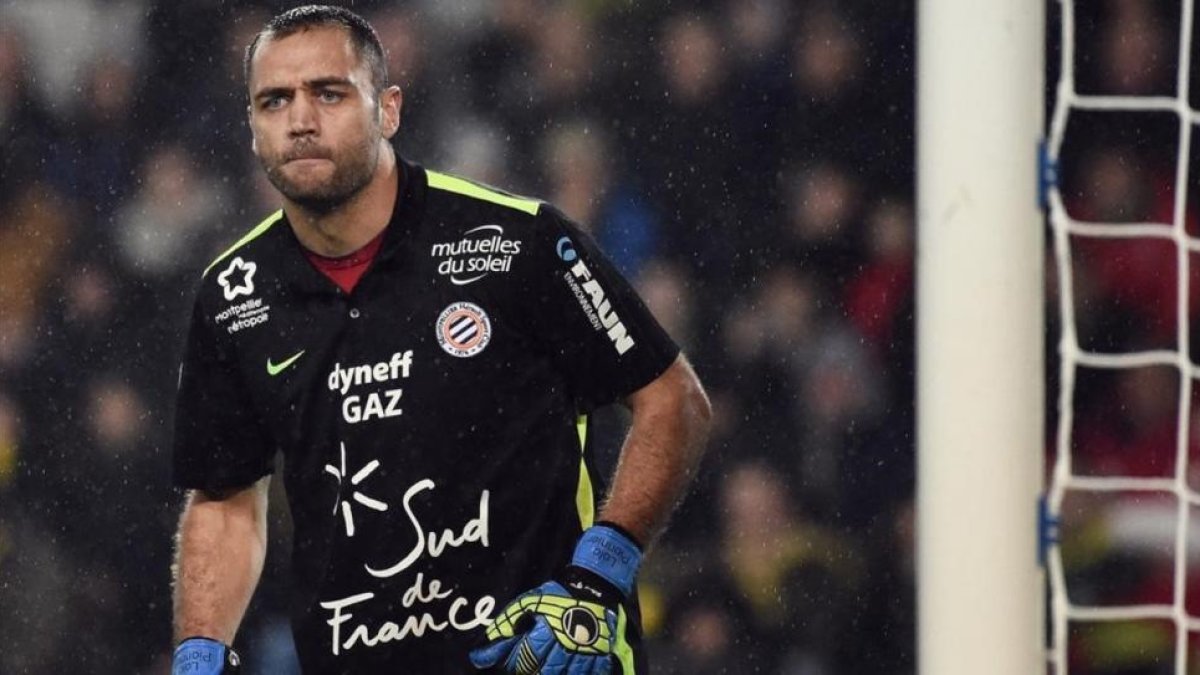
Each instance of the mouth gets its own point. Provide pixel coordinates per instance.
(306, 155)
(306, 161)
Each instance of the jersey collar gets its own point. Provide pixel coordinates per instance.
(298, 273)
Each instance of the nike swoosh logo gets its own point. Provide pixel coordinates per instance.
(274, 369)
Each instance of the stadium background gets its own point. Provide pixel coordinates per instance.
(748, 163)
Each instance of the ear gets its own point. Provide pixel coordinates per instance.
(250, 125)
(390, 102)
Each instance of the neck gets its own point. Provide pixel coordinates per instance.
(350, 225)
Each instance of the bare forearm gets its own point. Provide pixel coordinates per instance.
(661, 453)
(219, 556)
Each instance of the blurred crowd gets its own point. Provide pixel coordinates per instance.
(747, 163)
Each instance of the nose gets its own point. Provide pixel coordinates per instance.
(302, 117)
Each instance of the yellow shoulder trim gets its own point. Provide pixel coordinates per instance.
(250, 236)
(442, 181)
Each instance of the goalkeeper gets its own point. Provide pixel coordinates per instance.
(432, 348)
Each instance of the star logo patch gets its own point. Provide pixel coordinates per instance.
(238, 278)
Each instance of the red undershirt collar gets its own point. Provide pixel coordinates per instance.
(345, 271)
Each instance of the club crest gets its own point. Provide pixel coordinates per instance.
(463, 329)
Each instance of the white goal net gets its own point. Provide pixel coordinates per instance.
(1124, 484)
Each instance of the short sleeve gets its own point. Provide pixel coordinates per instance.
(218, 441)
(590, 320)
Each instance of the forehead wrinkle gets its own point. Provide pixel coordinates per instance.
(296, 61)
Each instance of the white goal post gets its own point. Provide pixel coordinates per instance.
(980, 336)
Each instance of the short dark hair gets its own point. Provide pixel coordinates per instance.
(362, 35)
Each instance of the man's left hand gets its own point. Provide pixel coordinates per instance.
(574, 625)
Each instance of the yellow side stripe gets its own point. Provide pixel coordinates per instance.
(585, 498)
(442, 181)
(622, 649)
(250, 236)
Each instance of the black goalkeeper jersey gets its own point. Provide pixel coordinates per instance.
(431, 421)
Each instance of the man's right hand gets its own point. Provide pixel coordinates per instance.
(204, 656)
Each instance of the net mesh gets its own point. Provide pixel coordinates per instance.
(1137, 511)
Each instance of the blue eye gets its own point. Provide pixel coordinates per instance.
(274, 103)
(331, 96)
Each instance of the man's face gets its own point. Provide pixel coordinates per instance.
(317, 125)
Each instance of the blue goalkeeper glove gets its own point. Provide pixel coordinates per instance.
(204, 656)
(572, 626)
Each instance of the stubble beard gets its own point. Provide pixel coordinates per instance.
(352, 172)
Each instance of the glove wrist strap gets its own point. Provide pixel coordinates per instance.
(202, 656)
(610, 554)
